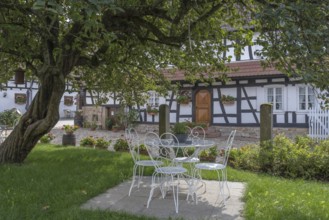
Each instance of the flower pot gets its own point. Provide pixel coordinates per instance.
(208, 158)
(68, 139)
(181, 137)
(228, 102)
(184, 102)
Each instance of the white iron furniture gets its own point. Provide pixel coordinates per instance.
(134, 144)
(196, 136)
(171, 144)
(168, 175)
(218, 167)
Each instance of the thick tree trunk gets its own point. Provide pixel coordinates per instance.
(39, 119)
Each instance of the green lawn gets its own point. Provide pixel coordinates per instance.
(54, 181)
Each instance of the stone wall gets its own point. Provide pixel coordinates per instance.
(243, 133)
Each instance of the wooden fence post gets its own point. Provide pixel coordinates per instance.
(266, 128)
(164, 123)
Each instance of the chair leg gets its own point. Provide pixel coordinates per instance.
(224, 173)
(198, 179)
(192, 189)
(175, 195)
(163, 182)
(140, 175)
(133, 179)
(222, 185)
(153, 185)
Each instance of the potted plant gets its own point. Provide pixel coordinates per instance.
(69, 137)
(20, 98)
(102, 143)
(152, 110)
(9, 117)
(209, 154)
(141, 149)
(88, 141)
(121, 145)
(180, 130)
(45, 139)
(70, 129)
(227, 99)
(183, 99)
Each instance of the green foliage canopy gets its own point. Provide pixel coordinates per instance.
(294, 36)
(118, 46)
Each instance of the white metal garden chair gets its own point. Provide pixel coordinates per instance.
(164, 176)
(196, 134)
(135, 148)
(220, 168)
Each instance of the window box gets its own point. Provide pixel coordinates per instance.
(152, 110)
(68, 100)
(20, 98)
(227, 100)
(184, 97)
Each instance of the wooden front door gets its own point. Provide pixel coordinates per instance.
(202, 107)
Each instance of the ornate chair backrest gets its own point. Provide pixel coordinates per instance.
(197, 133)
(152, 144)
(167, 143)
(228, 148)
(131, 133)
(133, 141)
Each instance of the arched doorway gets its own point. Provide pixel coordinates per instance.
(202, 106)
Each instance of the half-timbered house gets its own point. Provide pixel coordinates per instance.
(235, 103)
(19, 95)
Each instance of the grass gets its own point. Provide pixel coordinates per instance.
(269, 197)
(55, 181)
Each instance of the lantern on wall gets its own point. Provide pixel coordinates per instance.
(19, 76)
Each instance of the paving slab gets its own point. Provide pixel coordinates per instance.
(208, 207)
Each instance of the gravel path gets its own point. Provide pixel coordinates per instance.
(110, 135)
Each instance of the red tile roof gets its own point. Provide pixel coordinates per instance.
(238, 69)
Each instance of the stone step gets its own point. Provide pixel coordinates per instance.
(212, 133)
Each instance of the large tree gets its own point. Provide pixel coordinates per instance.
(121, 46)
(111, 45)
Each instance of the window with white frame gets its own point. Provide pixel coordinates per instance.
(275, 96)
(306, 98)
(153, 99)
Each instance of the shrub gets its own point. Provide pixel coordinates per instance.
(45, 139)
(121, 145)
(89, 141)
(102, 143)
(70, 129)
(179, 128)
(9, 117)
(209, 154)
(246, 158)
(302, 158)
(141, 149)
